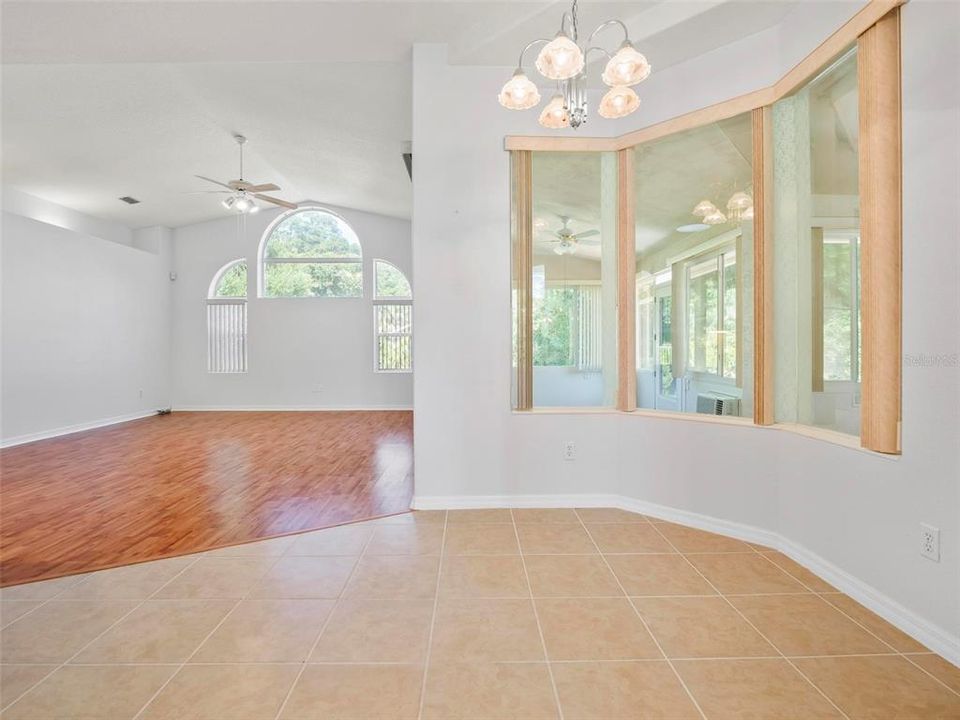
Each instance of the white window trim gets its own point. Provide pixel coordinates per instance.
(716, 252)
(380, 302)
(263, 261)
(242, 361)
(377, 297)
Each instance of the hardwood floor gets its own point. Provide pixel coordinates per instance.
(185, 482)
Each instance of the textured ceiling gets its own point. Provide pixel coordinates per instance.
(104, 99)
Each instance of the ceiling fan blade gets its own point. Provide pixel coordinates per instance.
(275, 201)
(269, 187)
(586, 234)
(215, 182)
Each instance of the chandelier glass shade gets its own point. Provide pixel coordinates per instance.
(563, 59)
(618, 102)
(739, 209)
(704, 208)
(519, 93)
(560, 59)
(555, 115)
(627, 67)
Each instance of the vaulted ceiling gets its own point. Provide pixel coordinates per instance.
(104, 99)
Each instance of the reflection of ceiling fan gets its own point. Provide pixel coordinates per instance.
(568, 240)
(243, 195)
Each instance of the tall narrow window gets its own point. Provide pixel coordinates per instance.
(816, 242)
(227, 319)
(393, 318)
(694, 239)
(571, 279)
(311, 253)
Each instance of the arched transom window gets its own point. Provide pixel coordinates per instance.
(311, 253)
(392, 318)
(227, 319)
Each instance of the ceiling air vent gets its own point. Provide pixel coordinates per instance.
(129, 200)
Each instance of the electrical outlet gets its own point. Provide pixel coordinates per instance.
(930, 542)
(141, 393)
(569, 451)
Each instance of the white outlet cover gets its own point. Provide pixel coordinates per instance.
(930, 542)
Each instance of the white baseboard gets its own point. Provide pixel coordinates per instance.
(289, 408)
(934, 637)
(70, 429)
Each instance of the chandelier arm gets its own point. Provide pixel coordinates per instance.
(527, 47)
(568, 19)
(601, 26)
(598, 49)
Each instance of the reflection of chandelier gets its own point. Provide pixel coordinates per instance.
(739, 209)
(563, 60)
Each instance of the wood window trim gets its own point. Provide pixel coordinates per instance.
(626, 284)
(521, 164)
(878, 68)
(876, 30)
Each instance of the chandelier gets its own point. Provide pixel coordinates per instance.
(739, 209)
(563, 59)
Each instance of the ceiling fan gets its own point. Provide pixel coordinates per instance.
(568, 240)
(243, 195)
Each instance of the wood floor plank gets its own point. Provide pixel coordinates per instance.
(192, 481)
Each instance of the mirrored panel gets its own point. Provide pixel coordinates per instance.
(694, 249)
(817, 251)
(573, 279)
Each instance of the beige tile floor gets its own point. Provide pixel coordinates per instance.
(522, 614)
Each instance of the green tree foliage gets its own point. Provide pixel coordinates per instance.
(553, 327)
(313, 234)
(314, 279)
(391, 282)
(233, 283)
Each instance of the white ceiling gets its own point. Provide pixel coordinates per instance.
(104, 99)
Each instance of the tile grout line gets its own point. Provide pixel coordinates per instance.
(646, 627)
(756, 629)
(323, 626)
(862, 625)
(273, 561)
(433, 617)
(110, 627)
(536, 617)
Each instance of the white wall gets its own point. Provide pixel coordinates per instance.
(856, 510)
(303, 352)
(85, 327)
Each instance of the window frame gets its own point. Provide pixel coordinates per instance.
(239, 301)
(385, 301)
(718, 255)
(263, 261)
(875, 31)
(376, 284)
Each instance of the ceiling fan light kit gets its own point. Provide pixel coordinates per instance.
(564, 60)
(243, 195)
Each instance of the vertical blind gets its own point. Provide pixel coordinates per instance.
(590, 335)
(394, 325)
(227, 335)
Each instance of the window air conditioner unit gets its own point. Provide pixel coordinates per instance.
(715, 404)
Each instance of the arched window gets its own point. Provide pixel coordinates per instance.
(230, 280)
(311, 253)
(389, 281)
(227, 319)
(392, 318)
